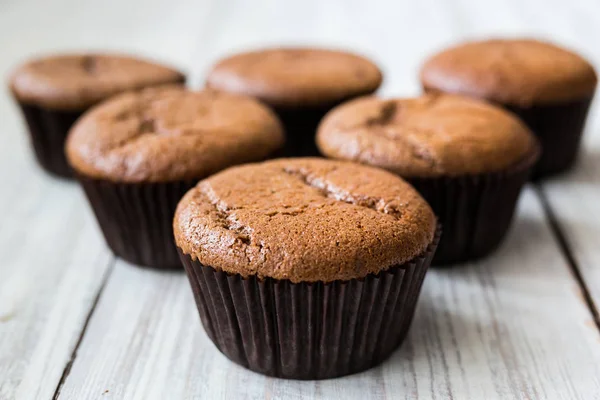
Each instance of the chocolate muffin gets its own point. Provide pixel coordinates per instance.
(305, 268)
(300, 84)
(467, 158)
(550, 88)
(139, 152)
(54, 91)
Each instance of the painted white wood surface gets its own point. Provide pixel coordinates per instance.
(574, 197)
(53, 264)
(512, 326)
(54, 260)
(575, 201)
(52, 267)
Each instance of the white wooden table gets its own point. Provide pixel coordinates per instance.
(75, 323)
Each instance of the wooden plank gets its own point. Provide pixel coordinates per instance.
(574, 197)
(54, 261)
(513, 326)
(152, 335)
(53, 264)
(574, 201)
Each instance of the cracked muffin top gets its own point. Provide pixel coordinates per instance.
(304, 220)
(428, 136)
(291, 77)
(170, 133)
(76, 82)
(514, 72)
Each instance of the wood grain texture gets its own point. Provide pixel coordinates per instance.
(574, 201)
(54, 260)
(50, 277)
(574, 197)
(511, 327)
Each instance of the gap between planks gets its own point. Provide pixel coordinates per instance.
(67, 369)
(565, 248)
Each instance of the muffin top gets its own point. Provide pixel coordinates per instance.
(296, 77)
(428, 136)
(75, 82)
(513, 72)
(169, 133)
(304, 220)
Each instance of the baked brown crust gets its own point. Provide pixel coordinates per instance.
(305, 220)
(427, 136)
(296, 77)
(513, 72)
(170, 133)
(78, 81)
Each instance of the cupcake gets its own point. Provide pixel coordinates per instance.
(301, 85)
(467, 158)
(53, 92)
(548, 87)
(138, 153)
(305, 268)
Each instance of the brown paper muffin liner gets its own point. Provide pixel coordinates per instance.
(475, 211)
(136, 219)
(300, 129)
(308, 330)
(48, 130)
(559, 128)
(301, 124)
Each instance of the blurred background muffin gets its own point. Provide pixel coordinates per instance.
(548, 87)
(300, 84)
(139, 152)
(467, 158)
(54, 91)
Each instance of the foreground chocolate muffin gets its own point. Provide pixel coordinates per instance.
(54, 91)
(300, 84)
(467, 158)
(138, 153)
(305, 268)
(550, 88)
